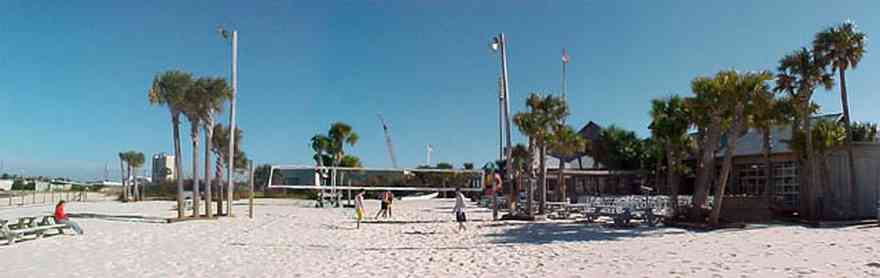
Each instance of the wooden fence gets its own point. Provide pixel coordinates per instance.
(22, 198)
(837, 200)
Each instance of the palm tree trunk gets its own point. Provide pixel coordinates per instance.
(137, 194)
(175, 123)
(218, 179)
(514, 190)
(658, 176)
(122, 179)
(530, 195)
(706, 168)
(128, 183)
(320, 161)
(194, 136)
(768, 165)
(811, 189)
(543, 201)
(732, 136)
(672, 178)
(561, 187)
(849, 149)
(209, 134)
(143, 192)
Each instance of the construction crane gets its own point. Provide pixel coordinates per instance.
(388, 141)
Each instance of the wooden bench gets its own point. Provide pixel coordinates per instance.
(27, 226)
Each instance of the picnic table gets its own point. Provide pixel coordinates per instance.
(29, 226)
(621, 209)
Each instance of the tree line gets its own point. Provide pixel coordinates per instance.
(199, 100)
(725, 105)
(721, 108)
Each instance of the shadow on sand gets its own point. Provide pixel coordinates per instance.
(120, 218)
(550, 232)
(402, 222)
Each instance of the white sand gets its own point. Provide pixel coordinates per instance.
(290, 239)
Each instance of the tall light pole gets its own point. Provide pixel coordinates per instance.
(230, 166)
(564, 62)
(500, 118)
(499, 44)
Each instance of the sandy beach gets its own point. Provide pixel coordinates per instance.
(289, 238)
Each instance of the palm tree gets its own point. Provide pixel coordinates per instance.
(766, 114)
(321, 145)
(843, 46)
(351, 161)
(652, 157)
(220, 147)
(213, 93)
(340, 134)
(799, 73)
(669, 126)
(135, 161)
(709, 121)
(545, 115)
(864, 132)
(740, 89)
(123, 157)
(169, 89)
(565, 144)
(520, 156)
(193, 110)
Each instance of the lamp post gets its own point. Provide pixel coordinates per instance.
(499, 44)
(564, 62)
(230, 165)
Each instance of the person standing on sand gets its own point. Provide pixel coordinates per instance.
(61, 218)
(359, 210)
(460, 216)
(383, 210)
(390, 197)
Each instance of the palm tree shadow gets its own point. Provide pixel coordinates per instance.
(544, 233)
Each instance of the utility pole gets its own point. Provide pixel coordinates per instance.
(230, 165)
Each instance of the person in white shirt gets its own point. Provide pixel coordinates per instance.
(460, 216)
(359, 210)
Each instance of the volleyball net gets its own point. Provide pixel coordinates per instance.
(374, 179)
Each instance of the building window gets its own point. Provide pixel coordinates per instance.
(749, 180)
(785, 181)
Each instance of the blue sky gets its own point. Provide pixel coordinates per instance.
(75, 74)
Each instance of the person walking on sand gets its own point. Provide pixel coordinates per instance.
(61, 218)
(383, 209)
(390, 197)
(359, 210)
(460, 216)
